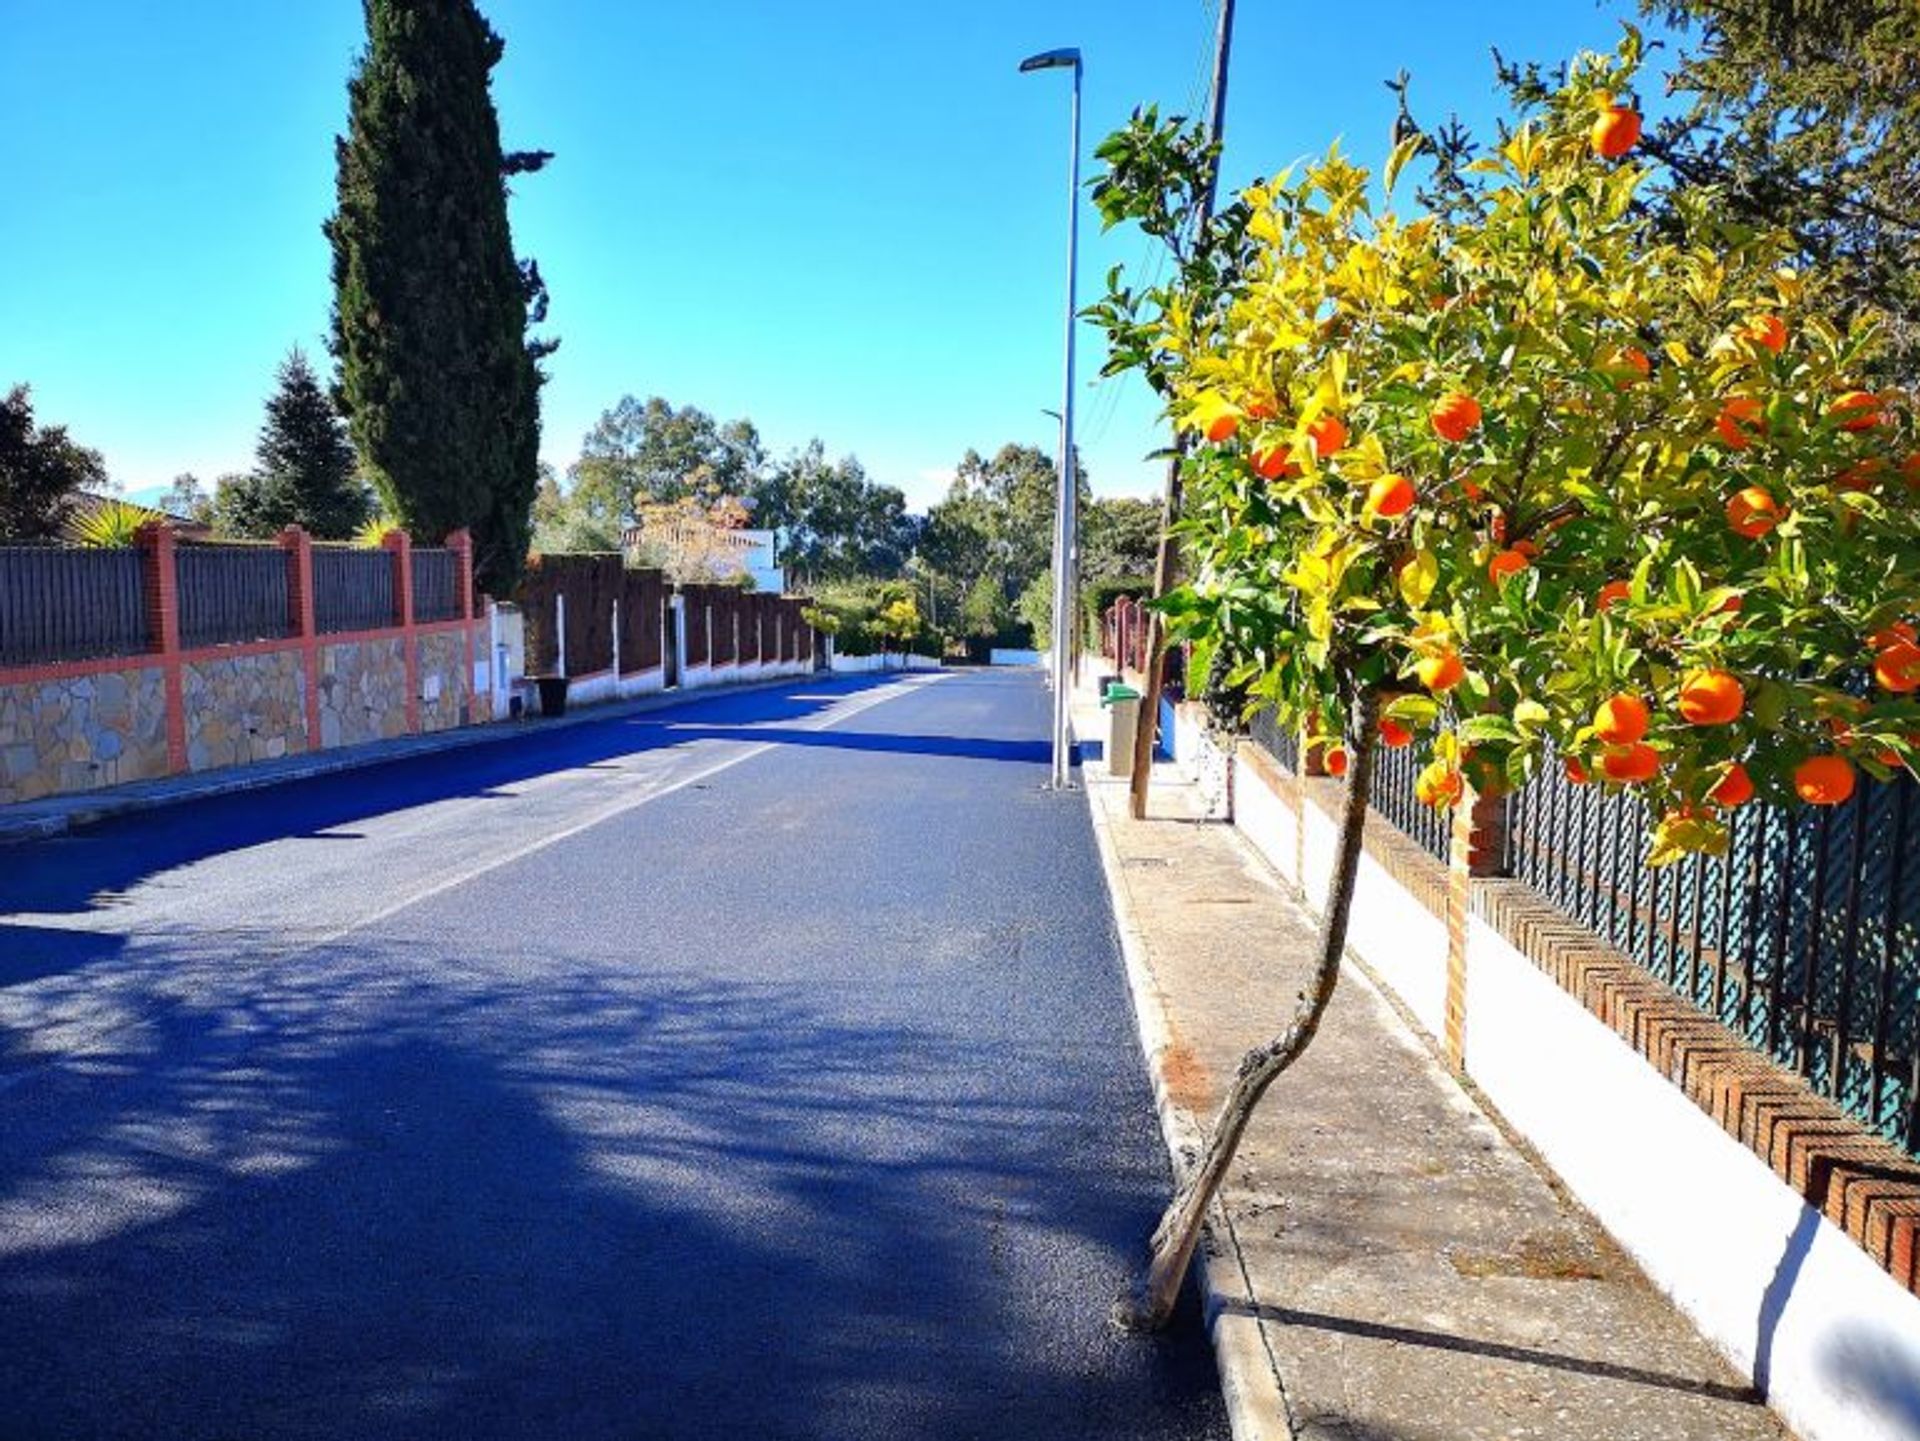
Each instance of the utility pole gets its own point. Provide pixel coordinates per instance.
(1166, 558)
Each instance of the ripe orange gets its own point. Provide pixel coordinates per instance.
(1334, 760)
(1857, 410)
(1506, 563)
(1712, 698)
(1438, 785)
(1440, 672)
(1740, 421)
(1626, 366)
(1630, 763)
(1731, 605)
(1576, 772)
(1735, 788)
(1221, 425)
(1615, 132)
(1260, 408)
(1271, 462)
(1752, 512)
(1390, 495)
(1455, 416)
(1897, 667)
(1328, 434)
(1611, 594)
(1823, 780)
(1910, 471)
(1621, 719)
(1861, 475)
(1767, 330)
(1393, 735)
(1892, 635)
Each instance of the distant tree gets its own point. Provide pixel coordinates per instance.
(837, 523)
(1119, 538)
(986, 612)
(642, 452)
(40, 471)
(566, 521)
(438, 376)
(1035, 608)
(187, 498)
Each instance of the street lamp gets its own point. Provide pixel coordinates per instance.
(1063, 518)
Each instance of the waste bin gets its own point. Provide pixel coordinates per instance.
(1123, 704)
(553, 695)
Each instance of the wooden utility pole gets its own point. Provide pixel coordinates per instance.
(1166, 559)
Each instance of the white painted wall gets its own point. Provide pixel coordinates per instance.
(997, 656)
(1764, 1276)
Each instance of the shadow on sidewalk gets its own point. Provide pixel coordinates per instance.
(1495, 1350)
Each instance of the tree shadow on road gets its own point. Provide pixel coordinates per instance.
(84, 869)
(373, 1192)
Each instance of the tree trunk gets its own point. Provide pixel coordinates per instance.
(1149, 1303)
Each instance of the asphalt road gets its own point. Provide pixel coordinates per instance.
(760, 1068)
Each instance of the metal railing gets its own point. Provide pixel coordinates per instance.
(58, 603)
(436, 585)
(1276, 740)
(1394, 773)
(352, 589)
(1804, 938)
(232, 594)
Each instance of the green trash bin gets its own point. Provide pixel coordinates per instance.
(1122, 702)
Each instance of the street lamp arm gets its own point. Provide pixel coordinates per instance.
(1051, 60)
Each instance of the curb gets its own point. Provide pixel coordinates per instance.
(1249, 1380)
(86, 809)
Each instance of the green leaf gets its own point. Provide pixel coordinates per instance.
(1480, 729)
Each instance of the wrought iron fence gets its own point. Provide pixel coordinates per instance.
(436, 585)
(1276, 740)
(1804, 937)
(231, 594)
(352, 589)
(1394, 771)
(58, 603)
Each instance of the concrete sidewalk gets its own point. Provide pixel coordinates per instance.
(56, 815)
(1386, 1264)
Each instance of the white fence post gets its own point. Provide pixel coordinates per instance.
(560, 630)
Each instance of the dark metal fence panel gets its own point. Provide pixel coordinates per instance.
(59, 603)
(353, 589)
(436, 585)
(1277, 740)
(1395, 769)
(642, 598)
(1804, 938)
(232, 594)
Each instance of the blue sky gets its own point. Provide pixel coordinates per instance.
(843, 218)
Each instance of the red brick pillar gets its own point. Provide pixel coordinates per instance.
(1478, 848)
(161, 581)
(301, 615)
(400, 545)
(461, 544)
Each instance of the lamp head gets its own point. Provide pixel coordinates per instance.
(1051, 60)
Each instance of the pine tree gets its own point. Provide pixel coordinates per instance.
(305, 463)
(438, 377)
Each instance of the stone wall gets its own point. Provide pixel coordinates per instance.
(444, 680)
(363, 692)
(81, 733)
(244, 708)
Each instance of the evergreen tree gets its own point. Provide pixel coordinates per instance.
(40, 471)
(438, 377)
(304, 463)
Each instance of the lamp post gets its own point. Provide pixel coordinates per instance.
(1063, 517)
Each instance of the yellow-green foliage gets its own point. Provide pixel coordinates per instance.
(1610, 364)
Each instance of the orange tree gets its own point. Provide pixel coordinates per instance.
(1525, 481)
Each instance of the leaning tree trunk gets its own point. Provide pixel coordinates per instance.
(1148, 1304)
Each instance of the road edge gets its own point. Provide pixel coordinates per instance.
(88, 808)
(1249, 1380)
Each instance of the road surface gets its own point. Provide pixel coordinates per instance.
(759, 1068)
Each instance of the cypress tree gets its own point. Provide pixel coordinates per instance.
(438, 377)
